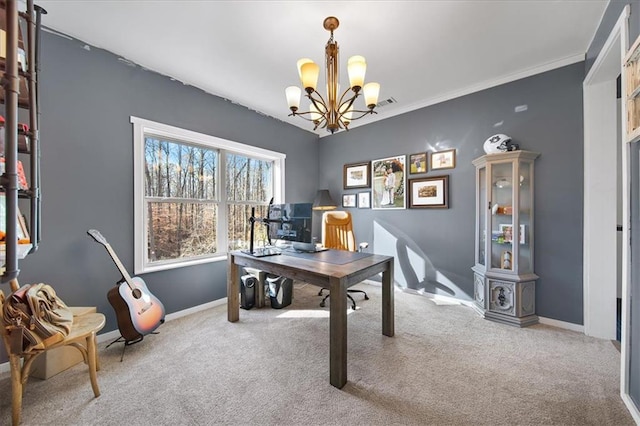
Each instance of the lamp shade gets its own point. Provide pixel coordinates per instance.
(323, 201)
(356, 68)
(371, 92)
(300, 63)
(309, 74)
(293, 96)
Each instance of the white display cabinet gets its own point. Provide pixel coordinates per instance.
(504, 278)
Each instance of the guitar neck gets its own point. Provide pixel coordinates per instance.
(120, 266)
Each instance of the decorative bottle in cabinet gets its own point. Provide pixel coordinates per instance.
(504, 278)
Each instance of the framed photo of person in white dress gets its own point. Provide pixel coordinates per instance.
(388, 183)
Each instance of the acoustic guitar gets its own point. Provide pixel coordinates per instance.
(138, 311)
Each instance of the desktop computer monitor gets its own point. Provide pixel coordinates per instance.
(291, 222)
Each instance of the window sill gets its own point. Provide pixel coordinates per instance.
(174, 265)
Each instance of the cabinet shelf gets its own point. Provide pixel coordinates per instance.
(22, 251)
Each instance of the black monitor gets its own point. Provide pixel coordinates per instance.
(291, 222)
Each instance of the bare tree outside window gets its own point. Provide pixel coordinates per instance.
(181, 199)
(249, 183)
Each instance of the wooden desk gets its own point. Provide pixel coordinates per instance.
(336, 277)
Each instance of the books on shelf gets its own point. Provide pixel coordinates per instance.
(22, 178)
(24, 142)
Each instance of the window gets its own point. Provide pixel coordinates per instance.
(194, 194)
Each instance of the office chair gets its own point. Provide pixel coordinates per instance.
(337, 234)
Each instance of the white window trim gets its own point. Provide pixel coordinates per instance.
(142, 126)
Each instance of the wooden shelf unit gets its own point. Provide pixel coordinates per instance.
(19, 40)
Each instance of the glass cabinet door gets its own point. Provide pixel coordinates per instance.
(501, 223)
(482, 216)
(525, 210)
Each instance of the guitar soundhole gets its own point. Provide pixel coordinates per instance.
(136, 293)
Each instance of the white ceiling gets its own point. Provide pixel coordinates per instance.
(421, 52)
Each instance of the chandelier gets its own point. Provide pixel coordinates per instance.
(332, 113)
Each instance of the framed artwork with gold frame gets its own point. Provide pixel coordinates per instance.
(443, 159)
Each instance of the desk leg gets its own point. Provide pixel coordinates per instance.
(388, 327)
(338, 332)
(233, 290)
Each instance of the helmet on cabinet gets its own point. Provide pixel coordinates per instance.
(499, 143)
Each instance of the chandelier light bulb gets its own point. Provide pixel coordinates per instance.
(300, 63)
(356, 67)
(310, 72)
(315, 114)
(293, 97)
(371, 93)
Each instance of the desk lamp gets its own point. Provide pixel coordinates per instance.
(323, 201)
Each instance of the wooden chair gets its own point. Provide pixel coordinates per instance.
(337, 234)
(82, 337)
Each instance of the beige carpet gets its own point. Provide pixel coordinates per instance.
(445, 366)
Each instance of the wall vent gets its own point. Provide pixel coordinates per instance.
(385, 102)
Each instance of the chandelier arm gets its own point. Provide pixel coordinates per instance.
(301, 115)
(363, 114)
(320, 101)
(341, 103)
(317, 122)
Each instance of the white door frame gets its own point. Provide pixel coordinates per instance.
(600, 165)
(600, 200)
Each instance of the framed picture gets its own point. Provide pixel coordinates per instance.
(418, 163)
(357, 175)
(364, 200)
(429, 192)
(443, 159)
(506, 229)
(388, 183)
(348, 200)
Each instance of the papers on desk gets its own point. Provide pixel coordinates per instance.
(264, 251)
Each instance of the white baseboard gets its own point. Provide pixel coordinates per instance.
(562, 324)
(440, 298)
(114, 334)
(631, 406)
(543, 320)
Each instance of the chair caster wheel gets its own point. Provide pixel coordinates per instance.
(366, 297)
(320, 293)
(322, 304)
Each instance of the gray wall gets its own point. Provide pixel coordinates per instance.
(443, 240)
(87, 98)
